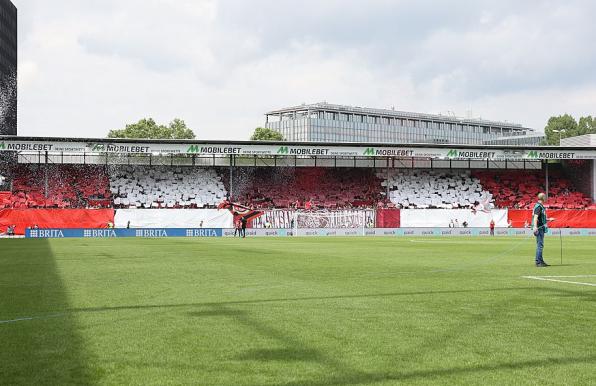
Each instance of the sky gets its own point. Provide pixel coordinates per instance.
(88, 66)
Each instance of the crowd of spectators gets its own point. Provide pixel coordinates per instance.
(309, 188)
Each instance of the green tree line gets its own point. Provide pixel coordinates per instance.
(147, 128)
(564, 126)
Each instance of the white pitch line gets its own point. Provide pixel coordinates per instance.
(570, 276)
(30, 318)
(441, 241)
(559, 281)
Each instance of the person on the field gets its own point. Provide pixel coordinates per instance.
(492, 227)
(539, 227)
(243, 222)
(237, 228)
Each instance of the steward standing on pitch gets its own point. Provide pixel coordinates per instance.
(539, 227)
(243, 224)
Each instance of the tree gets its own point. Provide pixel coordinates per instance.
(586, 125)
(573, 128)
(148, 128)
(562, 122)
(264, 134)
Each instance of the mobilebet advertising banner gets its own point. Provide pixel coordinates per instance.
(32, 145)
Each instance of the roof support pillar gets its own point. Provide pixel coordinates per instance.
(546, 182)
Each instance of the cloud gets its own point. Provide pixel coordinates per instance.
(88, 67)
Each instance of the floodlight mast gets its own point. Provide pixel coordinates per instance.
(560, 131)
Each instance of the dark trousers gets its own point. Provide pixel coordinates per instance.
(539, 245)
(243, 231)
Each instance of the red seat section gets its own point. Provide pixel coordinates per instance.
(329, 188)
(5, 199)
(518, 189)
(58, 186)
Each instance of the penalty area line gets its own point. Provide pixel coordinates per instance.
(568, 276)
(547, 278)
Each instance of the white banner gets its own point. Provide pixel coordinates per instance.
(278, 219)
(349, 218)
(174, 218)
(224, 149)
(442, 218)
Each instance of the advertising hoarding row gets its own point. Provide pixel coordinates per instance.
(326, 232)
(120, 233)
(205, 149)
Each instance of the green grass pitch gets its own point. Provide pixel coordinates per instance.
(296, 311)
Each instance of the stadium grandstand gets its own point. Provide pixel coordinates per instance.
(119, 179)
(261, 301)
